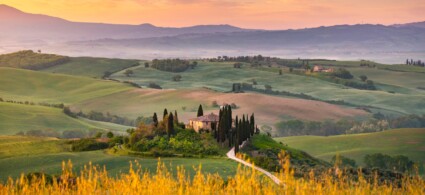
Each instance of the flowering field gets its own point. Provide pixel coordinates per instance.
(95, 180)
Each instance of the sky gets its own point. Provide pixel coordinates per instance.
(254, 14)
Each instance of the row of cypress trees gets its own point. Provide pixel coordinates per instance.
(168, 119)
(243, 128)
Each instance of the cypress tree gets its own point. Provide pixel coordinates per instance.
(224, 130)
(200, 111)
(165, 113)
(176, 118)
(170, 125)
(155, 120)
(252, 124)
(243, 128)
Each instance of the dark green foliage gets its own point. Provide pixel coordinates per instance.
(70, 134)
(99, 116)
(98, 135)
(280, 72)
(176, 118)
(109, 135)
(200, 111)
(117, 140)
(177, 78)
(170, 125)
(68, 112)
(155, 119)
(146, 64)
(363, 77)
(165, 113)
(154, 86)
(398, 163)
(343, 161)
(171, 65)
(342, 73)
(87, 145)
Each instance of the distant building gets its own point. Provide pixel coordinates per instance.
(318, 68)
(206, 122)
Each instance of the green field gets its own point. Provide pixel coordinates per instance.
(25, 85)
(13, 146)
(221, 76)
(92, 67)
(408, 142)
(52, 163)
(18, 117)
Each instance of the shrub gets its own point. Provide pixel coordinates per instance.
(70, 134)
(87, 145)
(154, 86)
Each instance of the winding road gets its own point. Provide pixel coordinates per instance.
(231, 155)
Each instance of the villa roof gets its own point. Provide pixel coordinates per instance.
(207, 118)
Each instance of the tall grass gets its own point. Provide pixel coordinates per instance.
(95, 180)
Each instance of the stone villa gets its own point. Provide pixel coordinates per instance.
(206, 122)
(318, 68)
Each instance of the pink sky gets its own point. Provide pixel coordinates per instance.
(265, 14)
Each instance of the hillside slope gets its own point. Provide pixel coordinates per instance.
(25, 85)
(15, 118)
(408, 142)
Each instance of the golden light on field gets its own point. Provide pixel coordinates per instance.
(267, 14)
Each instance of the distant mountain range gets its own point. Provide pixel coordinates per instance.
(392, 43)
(20, 25)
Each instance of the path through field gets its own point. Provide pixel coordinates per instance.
(231, 155)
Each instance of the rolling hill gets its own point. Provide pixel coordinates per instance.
(26, 85)
(15, 118)
(408, 142)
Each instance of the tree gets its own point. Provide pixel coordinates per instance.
(200, 111)
(363, 77)
(146, 64)
(109, 135)
(176, 118)
(155, 119)
(177, 78)
(165, 113)
(280, 72)
(252, 124)
(268, 88)
(170, 125)
(98, 135)
(128, 72)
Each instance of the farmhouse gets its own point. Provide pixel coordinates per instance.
(318, 68)
(207, 122)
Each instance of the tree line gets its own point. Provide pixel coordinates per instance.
(173, 65)
(378, 123)
(415, 62)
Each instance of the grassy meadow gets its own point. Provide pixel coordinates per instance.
(50, 163)
(408, 142)
(26, 85)
(92, 67)
(20, 117)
